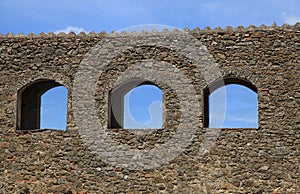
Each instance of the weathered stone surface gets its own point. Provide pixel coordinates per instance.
(263, 160)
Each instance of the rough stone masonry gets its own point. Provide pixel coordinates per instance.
(262, 160)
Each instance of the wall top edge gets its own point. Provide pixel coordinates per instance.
(273, 27)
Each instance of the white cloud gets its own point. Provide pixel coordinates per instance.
(290, 19)
(69, 29)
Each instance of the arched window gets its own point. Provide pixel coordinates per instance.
(34, 103)
(136, 104)
(231, 103)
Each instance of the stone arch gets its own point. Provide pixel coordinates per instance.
(243, 72)
(211, 87)
(116, 101)
(46, 75)
(29, 101)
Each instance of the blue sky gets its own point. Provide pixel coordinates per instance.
(54, 108)
(107, 15)
(19, 16)
(143, 108)
(241, 109)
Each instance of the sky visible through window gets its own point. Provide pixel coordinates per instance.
(143, 108)
(54, 108)
(241, 110)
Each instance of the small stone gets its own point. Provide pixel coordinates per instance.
(264, 168)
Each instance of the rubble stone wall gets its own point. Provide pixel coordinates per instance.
(262, 160)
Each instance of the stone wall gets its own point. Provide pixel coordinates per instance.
(262, 160)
